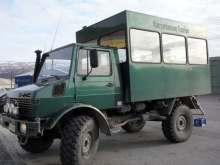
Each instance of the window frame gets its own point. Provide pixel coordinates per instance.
(186, 49)
(207, 52)
(160, 49)
(71, 62)
(99, 38)
(110, 61)
(126, 41)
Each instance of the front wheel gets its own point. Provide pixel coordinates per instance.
(179, 124)
(38, 144)
(79, 141)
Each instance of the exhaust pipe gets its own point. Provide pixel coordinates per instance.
(37, 63)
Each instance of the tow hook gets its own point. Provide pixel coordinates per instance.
(23, 140)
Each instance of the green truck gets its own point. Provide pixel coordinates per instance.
(123, 71)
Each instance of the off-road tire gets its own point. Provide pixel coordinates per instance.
(179, 124)
(132, 127)
(73, 150)
(37, 145)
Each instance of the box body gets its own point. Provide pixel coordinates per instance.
(152, 81)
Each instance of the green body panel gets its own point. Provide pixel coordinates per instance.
(94, 90)
(99, 29)
(145, 81)
(57, 115)
(176, 80)
(48, 103)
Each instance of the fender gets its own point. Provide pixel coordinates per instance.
(103, 123)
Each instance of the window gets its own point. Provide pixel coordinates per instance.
(92, 42)
(122, 55)
(104, 63)
(174, 49)
(58, 63)
(145, 46)
(116, 39)
(197, 51)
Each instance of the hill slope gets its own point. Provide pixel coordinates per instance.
(17, 68)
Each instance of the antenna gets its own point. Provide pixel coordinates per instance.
(56, 30)
(45, 42)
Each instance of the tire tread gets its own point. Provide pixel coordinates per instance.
(168, 124)
(68, 154)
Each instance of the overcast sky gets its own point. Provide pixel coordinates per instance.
(24, 24)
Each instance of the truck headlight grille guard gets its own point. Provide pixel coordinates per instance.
(25, 106)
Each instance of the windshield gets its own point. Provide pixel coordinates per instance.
(57, 64)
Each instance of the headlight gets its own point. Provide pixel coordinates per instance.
(23, 127)
(6, 107)
(15, 110)
(11, 106)
(1, 120)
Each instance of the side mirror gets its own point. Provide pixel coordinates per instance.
(94, 58)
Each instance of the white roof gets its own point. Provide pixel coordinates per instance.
(31, 73)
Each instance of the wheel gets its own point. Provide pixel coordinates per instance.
(79, 141)
(179, 124)
(37, 145)
(134, 126)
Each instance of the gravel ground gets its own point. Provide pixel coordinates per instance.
(148, 147)
(5, 158)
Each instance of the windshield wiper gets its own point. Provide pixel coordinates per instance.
(52, 76)
(44, 80)
(56, 76)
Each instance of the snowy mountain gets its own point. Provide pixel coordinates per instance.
(17, 68)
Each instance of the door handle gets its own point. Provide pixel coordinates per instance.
(110, 85)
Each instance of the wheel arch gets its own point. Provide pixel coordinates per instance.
(190, 101)
(78, 108)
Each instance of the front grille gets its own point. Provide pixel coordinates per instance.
(24, 106)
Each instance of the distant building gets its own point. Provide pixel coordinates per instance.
(215, 74)
(24, 79)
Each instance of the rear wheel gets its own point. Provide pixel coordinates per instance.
(79, 141)
(179, 124)
(134, 126)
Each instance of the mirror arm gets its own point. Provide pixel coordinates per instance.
(85, 77)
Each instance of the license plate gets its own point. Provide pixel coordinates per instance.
(11, 127)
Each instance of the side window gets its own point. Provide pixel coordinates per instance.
(103, 69)
(91, 42)
(174, 49)
(122, 55)
(116, 39)
(197, 51)
(145, 46)
(82, 62)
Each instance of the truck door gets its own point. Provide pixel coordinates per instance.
(98, 89)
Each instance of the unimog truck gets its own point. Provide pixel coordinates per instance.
(123, 71)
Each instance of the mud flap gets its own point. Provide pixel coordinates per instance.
(192, 103)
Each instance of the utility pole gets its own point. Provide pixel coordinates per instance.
(11, 79)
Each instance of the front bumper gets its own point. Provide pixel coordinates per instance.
(32, 128)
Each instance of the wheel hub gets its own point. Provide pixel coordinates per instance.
(181, 123)
(86, 144)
